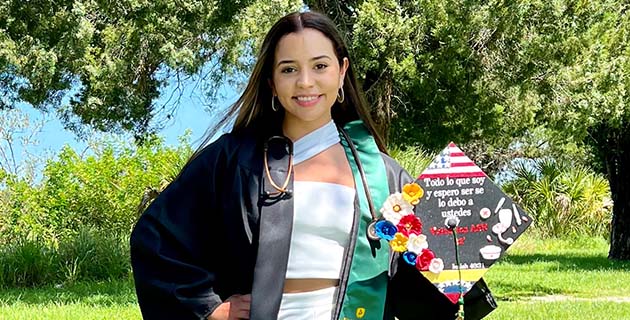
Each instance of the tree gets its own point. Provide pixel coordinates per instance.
(18, 135)
(549, 76)
(429, 69)
(110, 59)
(590, 104)
(566, 63)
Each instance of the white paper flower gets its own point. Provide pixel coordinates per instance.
(395, 207)
(416, 243)
(436, 266)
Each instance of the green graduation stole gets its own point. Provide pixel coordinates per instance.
(367, 281)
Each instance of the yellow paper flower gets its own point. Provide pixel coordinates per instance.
(399, 243)
(412, 192)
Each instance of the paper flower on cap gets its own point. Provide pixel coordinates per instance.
(436, 265)
(385, 230)
(417, 243)
(399, 243)
(396, 207)
(424, 260)
(409, 224)
(410, 258)
(403, 229)
(412, 192)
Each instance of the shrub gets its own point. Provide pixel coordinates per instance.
(94, 256)
(563, 199)
(412, 159)
(26, 263)
(104, 190)
(88, 255)
(21, 214)
(101, 191)
(75, 223)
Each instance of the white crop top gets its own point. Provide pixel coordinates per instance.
(322, 221)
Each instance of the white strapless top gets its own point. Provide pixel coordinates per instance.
(322, 221)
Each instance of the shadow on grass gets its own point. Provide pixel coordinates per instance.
(567, 262)
(102, 293)
(510, 291)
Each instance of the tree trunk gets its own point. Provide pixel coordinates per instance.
(380, 98)
(617, 155)
(341, 12)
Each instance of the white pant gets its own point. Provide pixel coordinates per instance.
(312, 305)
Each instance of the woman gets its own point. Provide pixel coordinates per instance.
(271, 220)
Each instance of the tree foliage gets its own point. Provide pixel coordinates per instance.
(110, 59)
(547, 76)
(568, 63)
(590, 104)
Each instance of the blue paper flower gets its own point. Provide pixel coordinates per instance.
(385, 230)
(410, 257)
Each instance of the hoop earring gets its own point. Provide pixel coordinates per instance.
(341, 96)
(273, 104)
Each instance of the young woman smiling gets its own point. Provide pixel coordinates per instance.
(270, 221)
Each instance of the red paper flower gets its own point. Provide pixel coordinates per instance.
(424, 260)
(409, 224)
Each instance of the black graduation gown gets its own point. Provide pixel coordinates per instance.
(197, 243)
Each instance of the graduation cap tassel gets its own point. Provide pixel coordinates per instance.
(451, 223)
(460, 312)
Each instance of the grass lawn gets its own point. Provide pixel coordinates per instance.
(92, 300)
(539, 279)
(560, 279)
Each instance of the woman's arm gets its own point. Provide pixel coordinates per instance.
(171, 256)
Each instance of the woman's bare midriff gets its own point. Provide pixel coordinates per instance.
(306, 285)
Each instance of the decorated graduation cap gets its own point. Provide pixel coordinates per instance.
(463, 224)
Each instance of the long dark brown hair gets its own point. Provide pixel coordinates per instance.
(253, 108)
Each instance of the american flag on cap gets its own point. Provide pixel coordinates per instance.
(452, 162)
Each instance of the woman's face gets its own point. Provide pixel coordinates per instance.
(306, 79)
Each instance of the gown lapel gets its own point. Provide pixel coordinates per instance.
(276, 223)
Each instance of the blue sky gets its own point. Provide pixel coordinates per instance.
(192, 113)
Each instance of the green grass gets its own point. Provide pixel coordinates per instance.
(84, 300)
(567, 310)
(539, 279)
(560, 279)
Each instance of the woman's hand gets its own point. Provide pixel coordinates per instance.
(234, 307)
